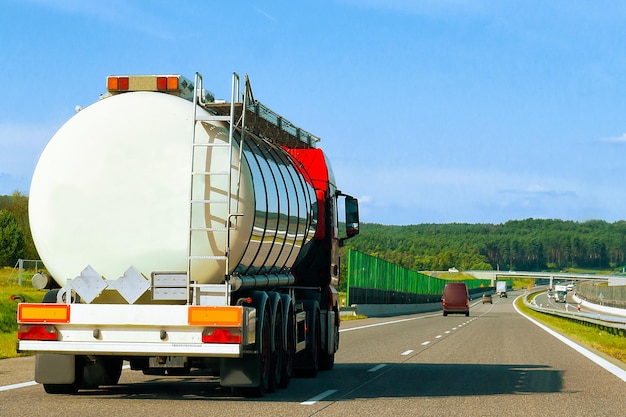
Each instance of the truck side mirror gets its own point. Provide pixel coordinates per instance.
(352, 216)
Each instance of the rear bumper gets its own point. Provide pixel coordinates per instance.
(456, 309)
(134, 349)
(139, 330)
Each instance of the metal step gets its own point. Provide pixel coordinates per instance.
(208, 173)
(205, 118)
(209, 201)
(208, 257)
(208, 229)
(211, 145)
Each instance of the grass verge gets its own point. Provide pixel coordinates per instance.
(8, 309)
(600, 340)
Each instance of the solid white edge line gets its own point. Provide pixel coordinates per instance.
(615, 370)
(15, 386)
(31, 383)
(319, 397)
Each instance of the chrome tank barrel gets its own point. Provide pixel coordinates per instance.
(113, 188)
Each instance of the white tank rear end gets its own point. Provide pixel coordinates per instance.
(112, 190)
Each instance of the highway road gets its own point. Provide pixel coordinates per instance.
(493, 363)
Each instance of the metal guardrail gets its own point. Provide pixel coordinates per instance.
(612, 324)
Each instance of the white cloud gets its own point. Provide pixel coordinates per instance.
(615, 139)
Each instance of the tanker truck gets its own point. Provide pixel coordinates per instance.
(180, 232)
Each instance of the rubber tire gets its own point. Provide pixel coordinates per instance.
(312, 355)
(327, 360)
(50, 296)
(113, 370)
(289, 351)
(277, 353)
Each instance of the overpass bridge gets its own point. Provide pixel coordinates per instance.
(495, 275)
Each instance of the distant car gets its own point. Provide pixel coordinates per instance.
(550, 294)
(487, 299)
(570, 287)
(503, 294)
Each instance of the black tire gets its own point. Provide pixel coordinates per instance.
(277, 352)
(309, 362)
(317, 345)
(61, 388)
(289, 352)
(50, 296)
(113, 367)
(327, 360)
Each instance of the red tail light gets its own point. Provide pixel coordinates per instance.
(36, 332)
(220, 335)
(167, 83)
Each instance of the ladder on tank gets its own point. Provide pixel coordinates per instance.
(202, 205)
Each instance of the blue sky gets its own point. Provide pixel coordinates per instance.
(432, 111)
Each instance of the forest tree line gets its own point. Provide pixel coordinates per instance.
(15, 239)
(523, 245)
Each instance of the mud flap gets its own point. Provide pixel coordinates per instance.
(53, 368)
(240, 372)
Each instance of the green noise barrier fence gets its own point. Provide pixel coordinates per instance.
(374, 281)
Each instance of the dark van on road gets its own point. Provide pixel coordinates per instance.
(455, 298)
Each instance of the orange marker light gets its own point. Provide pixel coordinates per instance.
(112, 83)
(172, 83)
(216, 316)
(43, 313)
(164, 83)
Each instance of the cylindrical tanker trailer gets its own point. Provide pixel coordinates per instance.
(183, 232)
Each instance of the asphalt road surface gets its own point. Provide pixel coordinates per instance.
(495, 362)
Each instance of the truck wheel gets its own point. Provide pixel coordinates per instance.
(316, 345)
(50, 296)
(309, 359)
(327, 360)
(289, 351)
(113, 370)
(61, 388)
(277, 355)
